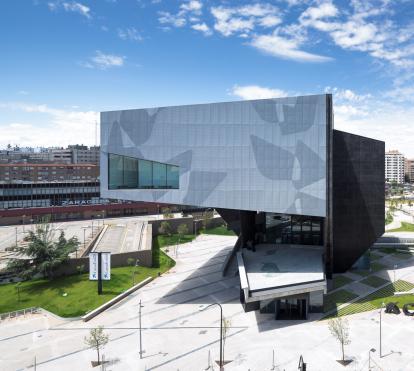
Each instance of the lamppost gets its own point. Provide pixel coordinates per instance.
(380, 344)
(369, 358)
(84, 240)
(140, 330)
(92, 228)
(16, 236)
(221, 331)
(395, 267)
(103, 218)
(23, 217)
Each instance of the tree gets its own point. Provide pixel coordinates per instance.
(182, 230)
(42, 255)
(97, 339)
(226, 327)
(207, 216)
(165, 228)
(166, 213)
(339, 329)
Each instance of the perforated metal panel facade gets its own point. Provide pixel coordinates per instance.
(265, 155)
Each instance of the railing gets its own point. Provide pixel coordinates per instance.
(18, 313)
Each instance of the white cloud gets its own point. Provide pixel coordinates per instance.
(202, 27)
(256, 92)
(129, 34)
(68, 124)
(243, 20)
(72, 6)
(176, 20)
(192, 6)
(189, 11)
(104, 61)
(278, 46)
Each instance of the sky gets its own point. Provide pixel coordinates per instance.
(62, 61)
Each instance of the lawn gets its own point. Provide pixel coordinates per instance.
(173, 239)
(332, 301)
(374, 281)
(375, 300)
(339, 281)
(221, 230)
(81, 293)
(405, 227)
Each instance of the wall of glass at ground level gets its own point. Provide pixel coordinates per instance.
(42, 194)
(133, 173)
(294, 229)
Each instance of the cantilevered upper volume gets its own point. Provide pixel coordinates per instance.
(295, 190)
(266, 155)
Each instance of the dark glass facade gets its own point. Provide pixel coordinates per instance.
(132, 173)
(294, 229)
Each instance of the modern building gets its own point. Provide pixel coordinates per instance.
(394, 167)
(29, 192)
(409, 170)
(305, 200)
(73, 154)
(84, 155)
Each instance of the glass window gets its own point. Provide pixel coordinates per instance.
(159, 175)
(130, 172)
(173, 175)
(115, 171)
(145, 174)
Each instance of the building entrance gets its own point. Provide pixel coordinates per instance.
(288, 309)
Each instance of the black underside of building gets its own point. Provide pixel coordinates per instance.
(355, 194)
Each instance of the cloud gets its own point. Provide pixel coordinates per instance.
(129, 34)
(67, 123)
(256, 92)
(192, 6)
(278, 46)
(72, 6)
(202, 27)
(189, 11)
(175, 20)
(244, 19)
(104, 61)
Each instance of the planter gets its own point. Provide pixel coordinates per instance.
(345, 362)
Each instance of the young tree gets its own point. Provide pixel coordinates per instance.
(165, 228)
(182, 230)
(226, 327)
(207, 216)
(97, 339)
(339, 329)
(166, 213)
(43, 254)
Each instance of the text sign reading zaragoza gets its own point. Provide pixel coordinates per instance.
(105, 266)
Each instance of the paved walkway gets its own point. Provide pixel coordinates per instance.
(178, 336)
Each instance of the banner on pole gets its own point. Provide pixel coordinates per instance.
(93, 266)
(106, 266)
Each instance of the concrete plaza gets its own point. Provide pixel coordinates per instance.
(178, 336)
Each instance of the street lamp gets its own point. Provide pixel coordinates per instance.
(103, 218)
(84, 240)
(395, 267)
(369, 358)
(16, 236)
(23, 217)
(221, 330)
(140, 330)
(380, 344)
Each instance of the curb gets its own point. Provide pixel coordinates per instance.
(116, 299)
